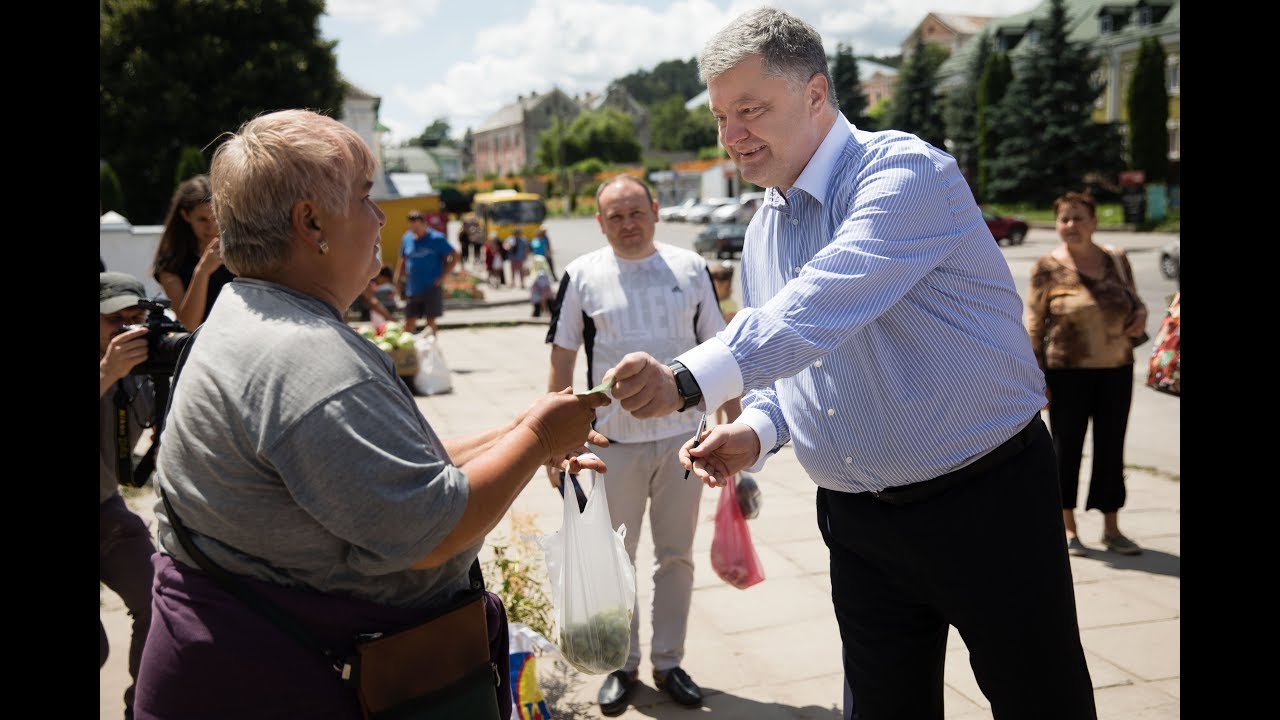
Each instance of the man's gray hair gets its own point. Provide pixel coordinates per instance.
(788, 47)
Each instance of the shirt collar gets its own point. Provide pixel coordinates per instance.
(815, 176)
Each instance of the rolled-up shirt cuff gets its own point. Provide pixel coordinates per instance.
(716, 371)
(765, 430)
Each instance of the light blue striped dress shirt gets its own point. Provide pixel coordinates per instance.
(882, 334)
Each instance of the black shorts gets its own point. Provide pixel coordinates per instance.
(429, 303)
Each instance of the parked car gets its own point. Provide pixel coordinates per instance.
(1170, 259)
(701, 213)
(740, 211)
(1004, 227)
(676, 212)
(721, 239)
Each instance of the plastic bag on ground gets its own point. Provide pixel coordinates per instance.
(593, 585)
(733, 555)
(433, 376)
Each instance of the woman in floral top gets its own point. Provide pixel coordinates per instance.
(1082, 310)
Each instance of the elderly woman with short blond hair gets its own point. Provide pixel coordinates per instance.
(300, 464)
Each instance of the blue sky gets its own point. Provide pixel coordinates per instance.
(464, 59)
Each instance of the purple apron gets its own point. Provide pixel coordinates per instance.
(208, 655)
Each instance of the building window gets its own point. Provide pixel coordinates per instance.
(1033, 37)
(1175, 141)
(1105, 24)
(1173, 74)
(1144, 16)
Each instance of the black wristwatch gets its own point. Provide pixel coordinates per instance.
(690, 393)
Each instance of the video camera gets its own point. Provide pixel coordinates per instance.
(165, 339)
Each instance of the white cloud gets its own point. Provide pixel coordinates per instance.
(464, 61)
(391, 18)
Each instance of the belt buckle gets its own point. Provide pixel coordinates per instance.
(876, 494)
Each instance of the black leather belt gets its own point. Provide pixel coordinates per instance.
(926, 489)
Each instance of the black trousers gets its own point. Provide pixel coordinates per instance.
(987, 557)
(1105, 396)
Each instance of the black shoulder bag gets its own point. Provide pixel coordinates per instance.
(439, 669)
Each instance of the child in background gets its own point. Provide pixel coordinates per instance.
(722, 278)
(385, 294)
(540, 292)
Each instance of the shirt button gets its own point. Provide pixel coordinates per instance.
(817, 363)
(795, 221)
(796, 269)
(848, 461)
(831, 412)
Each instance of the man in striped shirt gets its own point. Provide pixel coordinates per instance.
(882, 336)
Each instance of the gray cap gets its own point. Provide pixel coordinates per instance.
(117, 291)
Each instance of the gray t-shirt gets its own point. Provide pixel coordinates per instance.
(294, 454)
(140, 413)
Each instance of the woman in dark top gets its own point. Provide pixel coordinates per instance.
(188, 262)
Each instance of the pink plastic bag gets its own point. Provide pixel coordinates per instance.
(733, 556)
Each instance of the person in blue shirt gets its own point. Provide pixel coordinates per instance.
(426, 258)
(881, 335)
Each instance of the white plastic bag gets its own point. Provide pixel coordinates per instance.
(593, 585)
(433, 375)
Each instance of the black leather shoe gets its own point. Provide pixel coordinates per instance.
(679, 686)
(616, 690)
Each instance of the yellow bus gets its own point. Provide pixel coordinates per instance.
(501, 211)
(397, 212)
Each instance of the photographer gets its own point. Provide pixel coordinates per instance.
(124, 541)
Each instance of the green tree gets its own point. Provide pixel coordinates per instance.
(917, 109)
(667, 121)
(110, 194)
(700, 130)
(174, 73)
(435, 135)
(996, 77)
(1148, 106)
(608, 135)
(879, 114)
(672, 127)
(191, 162)
(960, 113)
(1048, 139)
(556, 149)
(847, 85)
(671, 77)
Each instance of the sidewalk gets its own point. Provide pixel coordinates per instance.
(772, 652)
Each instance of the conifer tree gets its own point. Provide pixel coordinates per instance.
(1048, 139)
(848, 86)
(916, 107)
(991, 88)
(961, 112)
(1148, 106)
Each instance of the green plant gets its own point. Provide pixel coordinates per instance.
(520, 576)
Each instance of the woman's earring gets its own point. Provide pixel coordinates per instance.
(324, 246)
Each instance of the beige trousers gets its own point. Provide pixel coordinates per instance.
(649, 473)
